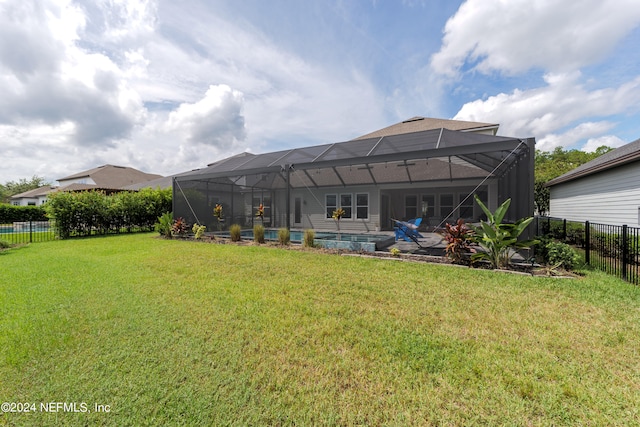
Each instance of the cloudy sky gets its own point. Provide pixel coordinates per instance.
(169, 86)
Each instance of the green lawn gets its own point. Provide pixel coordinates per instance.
(185, 333)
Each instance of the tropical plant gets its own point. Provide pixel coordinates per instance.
(217, 212)
(309, 238)
(284, 236)
(497, 239)
(459, 238)
(258, 233)
(198, 231)
(235, 232)
(260, 213)
(336, 215)
(179, 226)
(164, 224)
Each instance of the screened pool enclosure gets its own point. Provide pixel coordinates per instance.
(430, 174)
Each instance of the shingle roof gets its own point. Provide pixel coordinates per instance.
(40, 191)
(115, 177)
(419, 124)
(626, 154)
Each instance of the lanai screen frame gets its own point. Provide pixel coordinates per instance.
(469, 156)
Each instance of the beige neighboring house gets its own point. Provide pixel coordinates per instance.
(109, 178)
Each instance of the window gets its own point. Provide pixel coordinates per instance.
(446, 206)
(428, 205)
(466, 207)
(331, 203)
(346, 203)
(411, 206)
(362, 206)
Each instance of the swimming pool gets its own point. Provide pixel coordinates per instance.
(10, 229)
(330, 240)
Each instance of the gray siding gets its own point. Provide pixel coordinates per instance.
(610, 197)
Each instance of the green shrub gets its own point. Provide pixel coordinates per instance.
(164, 225)
(562, 255)
(309, 238)
(395, 252)
(258, 233)
(198, 231)
(4, 245)
(541, 248)
(10, 213)
(235, 232)
(93, 212)
(284, 236)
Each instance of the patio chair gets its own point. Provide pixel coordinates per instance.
(408, 230)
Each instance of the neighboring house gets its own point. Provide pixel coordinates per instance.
(108, 178)
(34, 197)
(421, 167)
(605, 190)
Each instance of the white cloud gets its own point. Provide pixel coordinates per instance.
(214, 120)
(517, 35)
(608, 141)
(53, 81)
(543, 111)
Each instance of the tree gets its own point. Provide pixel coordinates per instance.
(552, 164)
(16, 187)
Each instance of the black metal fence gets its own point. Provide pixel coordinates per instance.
(27, 232)
(614, 249)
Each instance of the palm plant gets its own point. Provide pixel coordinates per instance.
(496, 238)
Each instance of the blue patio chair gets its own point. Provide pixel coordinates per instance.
(408, 230)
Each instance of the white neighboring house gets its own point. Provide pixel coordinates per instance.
(109, 178)
(34, 197)
(605, 190)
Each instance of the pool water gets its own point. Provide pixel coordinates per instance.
(351, 241)
(10, 230)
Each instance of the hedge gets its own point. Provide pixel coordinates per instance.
(10, 214)
(93, 212)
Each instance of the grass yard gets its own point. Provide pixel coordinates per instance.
(182, 333)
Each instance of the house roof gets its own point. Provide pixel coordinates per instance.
(419, 124)
(37, 192)
(113, 177)
(164, 182)
(626, 154)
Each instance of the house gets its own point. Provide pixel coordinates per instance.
(35, 197)
(605, 190)
(420, 167)
(108, 178)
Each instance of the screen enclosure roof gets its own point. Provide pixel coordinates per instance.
(431, 155)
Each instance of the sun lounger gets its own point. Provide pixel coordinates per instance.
(408, 230)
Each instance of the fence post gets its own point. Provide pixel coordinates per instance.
(625, 250)
(587, 242)
(30, 231)
(564, 230)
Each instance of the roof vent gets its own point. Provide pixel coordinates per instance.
(413, 119)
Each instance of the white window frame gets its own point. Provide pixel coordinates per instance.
(328, 214)
(362, 206)
(338, 204)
